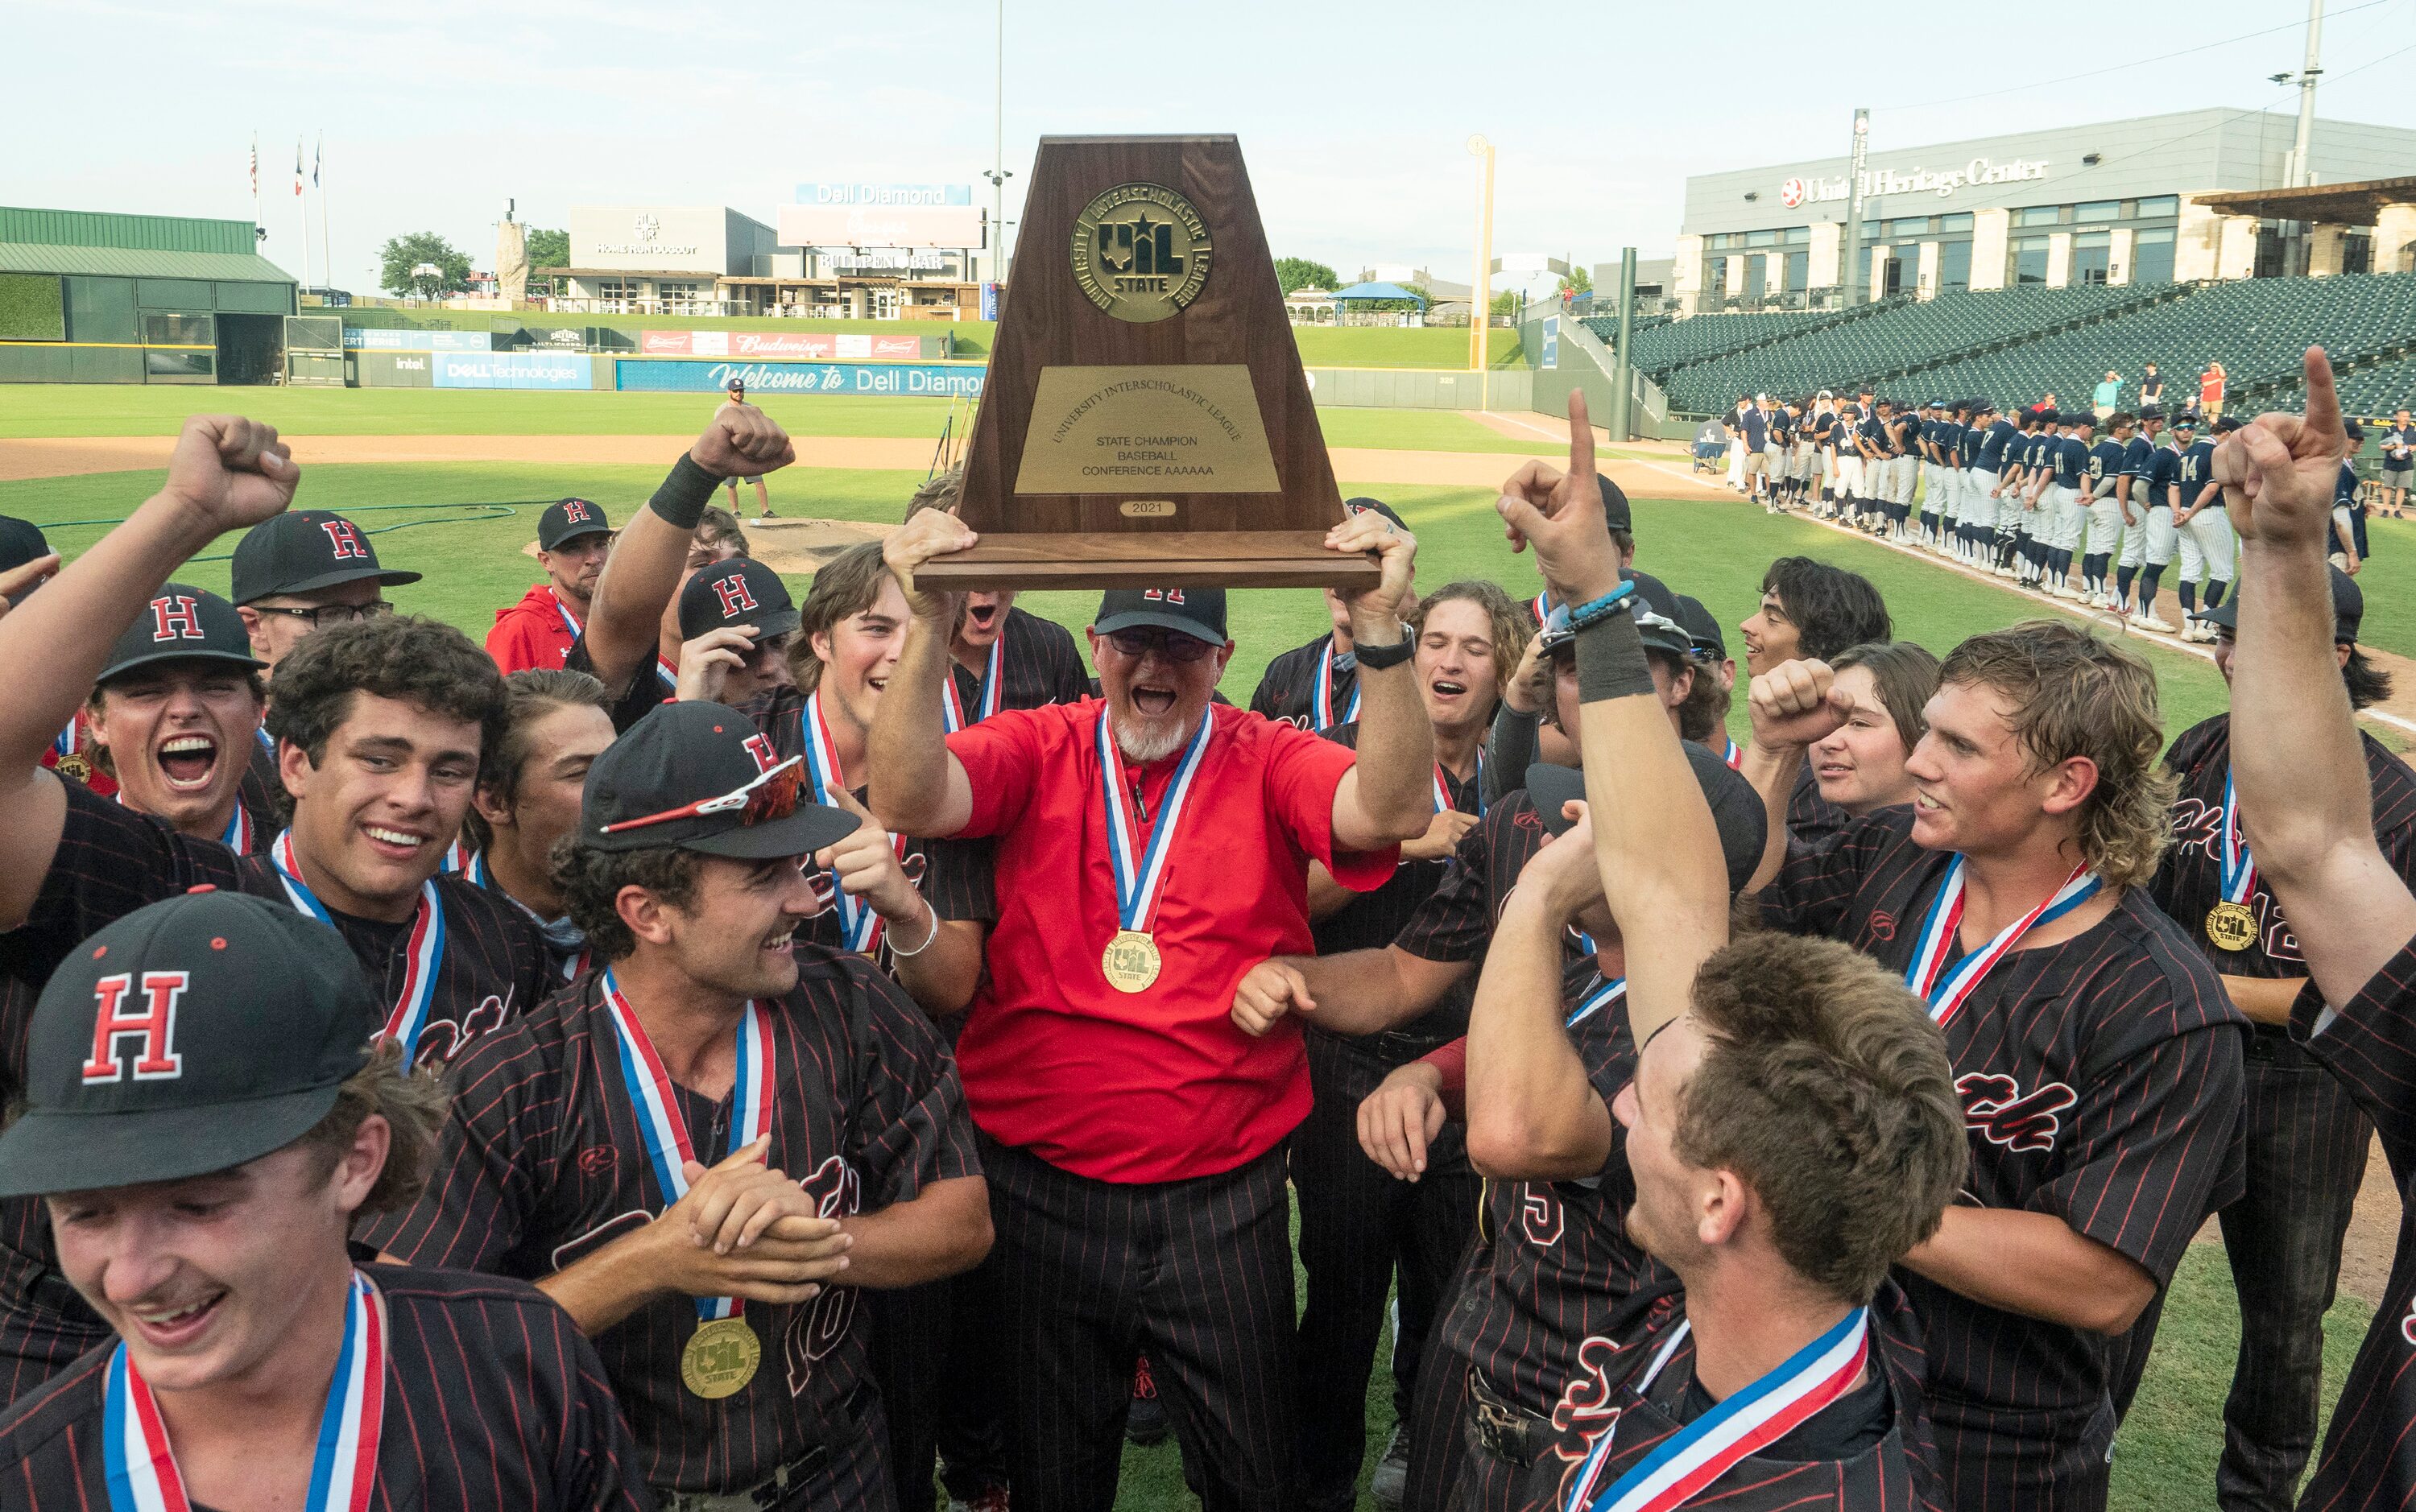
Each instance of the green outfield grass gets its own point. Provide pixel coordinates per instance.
(1715, 551)
(2388, 580)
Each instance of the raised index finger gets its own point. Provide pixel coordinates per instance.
(2323, 421)
(1580, 436)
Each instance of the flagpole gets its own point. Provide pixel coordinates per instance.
(255, 187)
(306, 216)
(327, 257)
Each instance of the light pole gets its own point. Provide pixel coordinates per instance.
(1853, 273)
(1481, 304)
(998, 175)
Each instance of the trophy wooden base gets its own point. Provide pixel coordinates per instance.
(1157, 559)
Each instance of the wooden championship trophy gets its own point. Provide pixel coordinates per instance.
(1145, 420)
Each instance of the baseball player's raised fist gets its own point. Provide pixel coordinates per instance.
(932, 533)
(1794, 704)
(742, 442)
(232, 473)
(2277, 471)
(1268, 992)
(1560, 515)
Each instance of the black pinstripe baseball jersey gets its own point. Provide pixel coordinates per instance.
(2101, 1082)
(2189, 883)
(2368, 1462)
(1812, 820)
(542, 1162)
(1868, 1451)
(1456, 921)
(1553, 1263)
(632, 702)
(1371, 919)
(113, 861)
(1302, 683)
(493, 1401)
(1037, 664)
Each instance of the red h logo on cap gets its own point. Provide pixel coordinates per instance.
(1169, 596)
(734, 597)
(346, 539)
(156, 1024)
(574, 510)
(175, 617)
(760, 749)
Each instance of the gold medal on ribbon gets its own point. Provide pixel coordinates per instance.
(1131, 960)
(74, 765)
(721, 1359)
(2231, 926)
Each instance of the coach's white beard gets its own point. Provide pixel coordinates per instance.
(1144, 740)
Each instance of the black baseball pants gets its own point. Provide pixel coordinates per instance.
(1197, 1275)
(1359, 1226)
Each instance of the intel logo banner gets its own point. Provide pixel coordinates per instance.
(513, 369)
(673, 376)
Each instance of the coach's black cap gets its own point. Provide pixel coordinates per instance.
(1656, 613)
(21, 540)
(1362, 504)
(1196, 612)
(694, 751)
(188, 1037)
(1615, 513)
(303, 551)
(741, 591)
(1702, 628)
(182, 624)
(1737, 810)
(2348, 609)
(567, 519)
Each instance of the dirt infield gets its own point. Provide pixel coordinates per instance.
(52, 458)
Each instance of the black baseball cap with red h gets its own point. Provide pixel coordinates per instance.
(301, 551)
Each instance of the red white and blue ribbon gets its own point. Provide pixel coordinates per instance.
(952, 710)
(859, 921)
(456, 857)
(1748, 1421)
(667, 674)
(142, 1465)
(1946, 987)
(656, 1100)
(1540, 606)
(2239, 868)
(1320, 694)
(1734, 756)
(569, 621)
(422, 954)
(1442, 803)
(1596, 998)
(237, 837)
(1140, 863)
(63, 744)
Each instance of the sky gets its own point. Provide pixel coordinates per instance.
(1353, 120)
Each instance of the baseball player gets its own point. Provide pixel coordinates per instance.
(177, 709)
(1315, 686)
(556, 723)
(205, 1121)
(27, 561)
(1811, 609)
(2298, 764)
(2204, 530)
(1006, 657)
(2307, 1139)
(787, 1124)
(1992, 530)
(2097, 1055)
(2131, 500)
(573, 541)
(2107, 511)
(2399, 463)
(1138, 1194)
(735, 619)
(380, 725)
(2349, 505)
(2160, 477)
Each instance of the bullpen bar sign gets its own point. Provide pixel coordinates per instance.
(1943, 182)
(673, 376)
(799, 345)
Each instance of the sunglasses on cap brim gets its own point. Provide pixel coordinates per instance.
(771, 795)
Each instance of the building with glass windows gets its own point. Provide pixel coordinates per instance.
(2155, 198)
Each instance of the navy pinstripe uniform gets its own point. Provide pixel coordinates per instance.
(1868, 1451)
(2307, 1141)
(1287, 689)
(1552, 1265)
(540, 1164)
(112, 861)
(493, 1401)
(1039, 664)
(2368, 1462)
(1358, 1225)
(2101, 1082)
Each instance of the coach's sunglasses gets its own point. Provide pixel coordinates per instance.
(770, 796)
(327, 616)
(1170, 645)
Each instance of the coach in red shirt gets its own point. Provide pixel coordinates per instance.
(1151, 849)
(573, 539)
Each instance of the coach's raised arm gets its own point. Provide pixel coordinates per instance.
(227, 474)
(624, 618)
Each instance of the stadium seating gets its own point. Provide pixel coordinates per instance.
(1901, 336)
(1661, 348)
(2374, 390)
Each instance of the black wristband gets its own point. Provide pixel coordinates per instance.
(684, 492)
(1377, 658)
(1610, 661)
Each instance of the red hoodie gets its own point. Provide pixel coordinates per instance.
(536, 631)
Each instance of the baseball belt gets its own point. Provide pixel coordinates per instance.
(1508, 1432)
